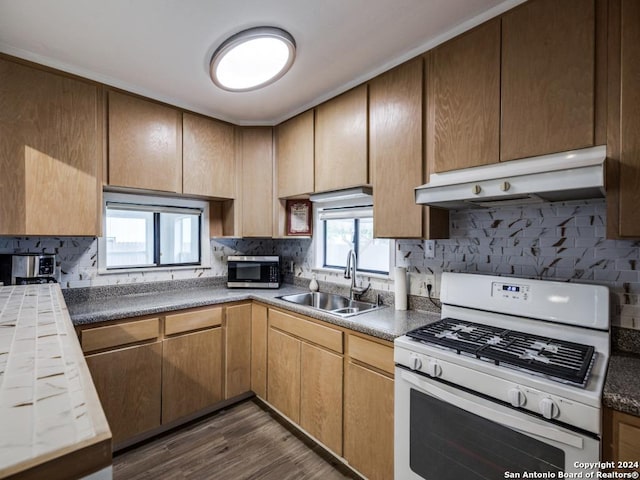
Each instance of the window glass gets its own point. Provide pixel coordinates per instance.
(344, 234)
(179, 238)
(129, 238)
(339, 239)
(373, 253)
(143, 232)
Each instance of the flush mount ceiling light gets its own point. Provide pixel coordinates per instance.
(252, 59)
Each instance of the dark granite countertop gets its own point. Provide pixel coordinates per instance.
(111, 303)
(622, 389)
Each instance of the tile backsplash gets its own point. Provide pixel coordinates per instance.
(557, 241)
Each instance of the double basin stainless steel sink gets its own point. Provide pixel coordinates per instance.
(331, 303)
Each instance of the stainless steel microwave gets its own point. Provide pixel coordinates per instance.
(253, 271)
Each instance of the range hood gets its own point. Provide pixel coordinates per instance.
(572, 175)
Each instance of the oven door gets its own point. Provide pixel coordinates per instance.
(443, 432)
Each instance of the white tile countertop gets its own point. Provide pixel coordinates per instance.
(49, 408)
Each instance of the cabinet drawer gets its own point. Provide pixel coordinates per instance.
(121, 334)
(318, 334)
(371, 353)
(186, 322)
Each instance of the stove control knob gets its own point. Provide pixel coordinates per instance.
(434, 369)
(517, 397)
(416, 361)
(548, 408)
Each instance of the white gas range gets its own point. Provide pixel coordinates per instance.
(509, 380)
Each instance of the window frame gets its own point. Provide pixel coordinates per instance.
(320, 244)
(157, 205)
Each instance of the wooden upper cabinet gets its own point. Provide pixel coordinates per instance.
(50, 153)
(548, 78)
(463, 100)
(256, 153)
(294, 156)
(623, 126)
(145, 144)
(341, 141)
(395, 141)
(208, 157)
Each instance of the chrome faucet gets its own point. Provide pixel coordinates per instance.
(351, 271)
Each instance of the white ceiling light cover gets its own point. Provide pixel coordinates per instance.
(252, 59)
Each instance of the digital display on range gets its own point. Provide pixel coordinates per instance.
(510, 288)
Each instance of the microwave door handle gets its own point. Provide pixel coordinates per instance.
(510, 421)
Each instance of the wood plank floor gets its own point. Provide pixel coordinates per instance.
(245, 441)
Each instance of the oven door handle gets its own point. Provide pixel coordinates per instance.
(510, 421)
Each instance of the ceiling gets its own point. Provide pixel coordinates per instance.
(162, 48)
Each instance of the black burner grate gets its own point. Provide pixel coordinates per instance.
(558, 359)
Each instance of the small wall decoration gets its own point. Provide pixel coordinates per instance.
(299, 217)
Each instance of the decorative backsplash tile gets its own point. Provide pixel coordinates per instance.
(561, 241)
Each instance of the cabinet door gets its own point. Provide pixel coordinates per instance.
(548, 78)
(294, 156)
(50, 151)
(237, 350)
(368, 422)
(128, 382)
(283, 374)
(257, 182)
(627, 219)
(259, 350)
(145, 144)
(463, 100)
(396, 150)
(341, 141)
(191, 373)
(208, 157)
(321, 395)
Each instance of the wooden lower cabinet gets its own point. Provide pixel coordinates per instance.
(305, 379)
(237, 333)
(128, 382)
(621, 440)
(283, 372)
(259, 350)
(368, 407)
(321, 395)
(191, 373)
(368, 422)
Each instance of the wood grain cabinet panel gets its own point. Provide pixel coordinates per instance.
(283, 373)
(128, 382)
(145, 144)
(208, 157)
(237, 337)
(50, 153)
(256, 153)
(463, 100)
(372, 353)
(368, 422)
(259, 350)
(548, 78)
(120, 334)
(395, 113)
(321, 395)
(191, 373)
(295, 156)
(341, 141)
(621, 437)
(623, 142)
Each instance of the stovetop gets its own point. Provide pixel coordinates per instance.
(556, 359)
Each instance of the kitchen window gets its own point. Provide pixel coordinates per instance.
(143, 232)
(343, 229)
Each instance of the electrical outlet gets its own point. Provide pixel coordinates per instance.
(429, 248)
